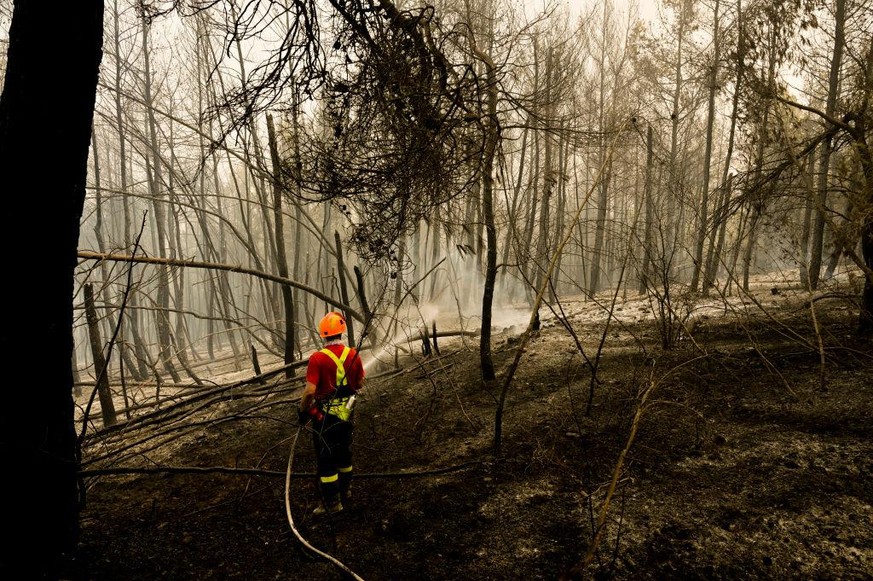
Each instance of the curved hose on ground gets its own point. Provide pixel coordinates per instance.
(291, 519)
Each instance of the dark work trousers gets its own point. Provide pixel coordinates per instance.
(332, 438)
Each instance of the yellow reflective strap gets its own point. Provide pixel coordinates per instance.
(329, 479)
(345, 470)
(337, 407)
(340, 369)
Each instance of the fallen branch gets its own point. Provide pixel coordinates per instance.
(122, 471)
(88, 255)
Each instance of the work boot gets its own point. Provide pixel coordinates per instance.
(347, 493)
(328, 509)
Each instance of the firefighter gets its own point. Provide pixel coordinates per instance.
(333, 376)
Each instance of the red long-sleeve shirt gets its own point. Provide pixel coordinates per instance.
(321, 371)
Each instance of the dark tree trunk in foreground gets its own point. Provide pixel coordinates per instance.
(45, 121)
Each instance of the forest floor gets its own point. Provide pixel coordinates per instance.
(752, 459)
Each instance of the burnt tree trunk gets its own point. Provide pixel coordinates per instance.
(44, 120)
(101, 367)
(290, 336)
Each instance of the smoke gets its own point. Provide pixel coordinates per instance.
(451, 298)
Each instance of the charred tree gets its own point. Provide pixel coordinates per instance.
(36, 428)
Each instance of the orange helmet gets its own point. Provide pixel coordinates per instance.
(332, 324)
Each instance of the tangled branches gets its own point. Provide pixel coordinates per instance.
(400, 134)
(390, 127)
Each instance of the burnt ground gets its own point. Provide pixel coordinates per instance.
(752, 460)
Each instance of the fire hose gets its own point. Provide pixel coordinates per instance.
(297, 534)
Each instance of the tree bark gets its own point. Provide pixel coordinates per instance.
(597, 258)
(156, 184)
(344, 289)
(672, 225)
(703, 217)
(491, 139)
(512, 233)
(826, 147)
(101, 365)
(650, 213)
(714, 252)
(281, 261)
(36, 426)
(101, 245)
